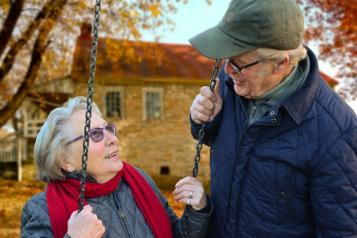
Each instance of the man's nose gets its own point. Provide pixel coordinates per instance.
(228, 68)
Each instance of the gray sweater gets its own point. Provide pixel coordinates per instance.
(119, 214)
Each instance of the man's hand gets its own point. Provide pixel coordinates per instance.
(206, 105)
(85, 224)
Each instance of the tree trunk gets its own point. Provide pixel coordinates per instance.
(15, 48)
(9, 23)
(39, 48)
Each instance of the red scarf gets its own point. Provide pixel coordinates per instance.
(62, 200)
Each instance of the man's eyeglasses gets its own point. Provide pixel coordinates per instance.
(97, 134)
(240, 69)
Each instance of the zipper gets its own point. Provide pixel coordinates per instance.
(246, 128)
(253, 112)
(121, 214)
(254, 108)
(234, 166)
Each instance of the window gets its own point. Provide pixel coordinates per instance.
(114, 103)
(164, 170)
(152, 103)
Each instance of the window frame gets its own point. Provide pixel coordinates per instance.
(120, 90)
(160, 91)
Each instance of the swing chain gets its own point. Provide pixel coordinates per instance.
(92, 67)
(201, 133)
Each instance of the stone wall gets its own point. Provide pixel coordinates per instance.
(153, 144)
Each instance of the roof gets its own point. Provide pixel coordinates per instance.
(4, 133)
(141, 62)
(332, 82)
(149, 62)
(48, 101)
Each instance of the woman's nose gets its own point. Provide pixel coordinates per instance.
(110, 138)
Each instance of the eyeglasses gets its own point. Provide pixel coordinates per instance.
(240, 69)
(97, 134)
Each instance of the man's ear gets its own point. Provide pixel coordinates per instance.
(281, 65)
(66, 165)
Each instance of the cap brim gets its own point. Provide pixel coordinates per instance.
(216, 44)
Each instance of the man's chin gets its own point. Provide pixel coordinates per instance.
(240, 91)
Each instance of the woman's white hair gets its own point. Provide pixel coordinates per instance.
(295, 55)
(54, 133)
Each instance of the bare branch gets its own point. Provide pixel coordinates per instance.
(40, 46)
(23, 40)
(9, 23)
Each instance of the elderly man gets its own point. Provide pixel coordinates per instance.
(283, 144)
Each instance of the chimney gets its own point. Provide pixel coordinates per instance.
(86, 29)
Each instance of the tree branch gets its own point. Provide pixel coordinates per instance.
(9, 23)
(23, 40)
(39, 48)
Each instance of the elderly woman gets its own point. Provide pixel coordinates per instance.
(122, 201)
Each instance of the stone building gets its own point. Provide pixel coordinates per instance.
(149, 99)
(147, 95)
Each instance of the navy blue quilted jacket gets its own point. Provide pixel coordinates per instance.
(291, 175)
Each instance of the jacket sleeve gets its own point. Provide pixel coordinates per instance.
(192, 224)
(334, 189)
(210, 129)
(35, 221)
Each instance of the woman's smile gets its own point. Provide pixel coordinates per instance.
(114, 155)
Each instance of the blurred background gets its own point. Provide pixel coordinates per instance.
(147, 76)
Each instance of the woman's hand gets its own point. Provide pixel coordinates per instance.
(190, 191)
(85, 224)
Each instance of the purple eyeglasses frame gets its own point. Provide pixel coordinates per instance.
(94, 129)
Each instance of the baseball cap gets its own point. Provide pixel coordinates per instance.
(252, 24)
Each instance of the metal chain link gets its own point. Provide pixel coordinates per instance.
(92, 67)
(201, 133)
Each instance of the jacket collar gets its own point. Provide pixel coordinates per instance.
(300, 102)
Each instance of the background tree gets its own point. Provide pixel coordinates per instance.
(332, 25)
(37, 38)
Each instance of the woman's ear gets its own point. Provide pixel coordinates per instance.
(66, 165)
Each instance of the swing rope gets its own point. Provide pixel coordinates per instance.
(95, 30)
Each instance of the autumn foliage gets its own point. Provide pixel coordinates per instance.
(37, 38)
(332, 25)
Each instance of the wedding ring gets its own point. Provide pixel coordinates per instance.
(190, 194)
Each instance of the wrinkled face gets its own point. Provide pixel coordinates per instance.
(103, 156)
(253, 81)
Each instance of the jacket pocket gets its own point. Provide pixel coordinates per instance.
(284, 178)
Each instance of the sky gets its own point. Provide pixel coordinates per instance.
(193, 18)
(196, 16)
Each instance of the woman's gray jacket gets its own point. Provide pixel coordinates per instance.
(119, 214)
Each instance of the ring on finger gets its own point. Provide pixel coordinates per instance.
(190, 194)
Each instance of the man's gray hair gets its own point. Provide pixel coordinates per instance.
(54, 133)
(295, 55)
